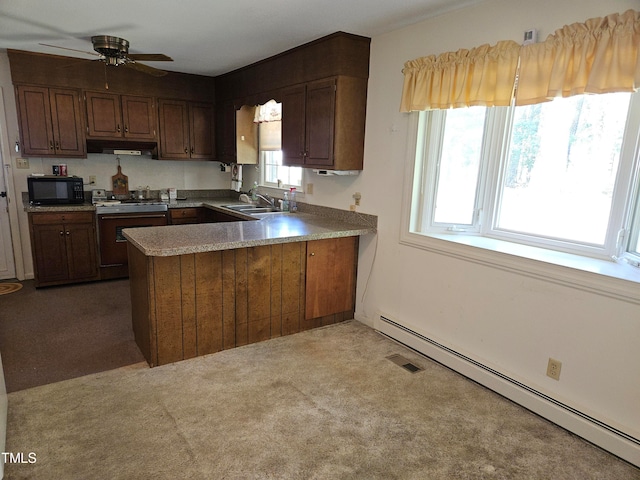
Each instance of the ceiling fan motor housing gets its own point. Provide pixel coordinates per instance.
(114, 49)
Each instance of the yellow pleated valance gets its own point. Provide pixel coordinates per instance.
(481, 76)
(599, 56)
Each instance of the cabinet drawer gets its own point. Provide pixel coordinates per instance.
(183, 216)
(62, 217)
(177, 213)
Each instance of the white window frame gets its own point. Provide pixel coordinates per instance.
(583, 267)
(281, 185)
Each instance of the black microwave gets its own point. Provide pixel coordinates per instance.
(55, 190)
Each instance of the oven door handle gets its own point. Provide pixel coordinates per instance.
(122, 217)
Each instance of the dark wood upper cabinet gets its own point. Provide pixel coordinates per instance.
(323, 89)
(201, 131)
(323, 124)
(120, 116)
(293, 129)
(186, 130)
(50, 122)
(226, 131)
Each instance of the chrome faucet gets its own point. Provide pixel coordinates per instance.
(267, 199)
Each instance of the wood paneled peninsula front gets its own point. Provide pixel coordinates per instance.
(202, 288)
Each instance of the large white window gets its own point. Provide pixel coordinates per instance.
(561, 175)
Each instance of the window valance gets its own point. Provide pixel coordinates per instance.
(480, 76)
(599, 56)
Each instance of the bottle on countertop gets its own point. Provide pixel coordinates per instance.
(293, 206)
(285, 202)
(253, 192)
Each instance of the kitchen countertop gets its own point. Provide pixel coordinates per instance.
(248, 231)
(272, 228)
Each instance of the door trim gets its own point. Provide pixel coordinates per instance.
(12, 199)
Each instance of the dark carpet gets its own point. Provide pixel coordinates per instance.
(52, 334)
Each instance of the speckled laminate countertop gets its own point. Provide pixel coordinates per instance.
(248, 231)
(270, 229)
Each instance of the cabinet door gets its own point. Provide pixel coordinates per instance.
(202, 132)
(226, 132)
(293, 125)
(104, 116)
(138, 117)
(319, 123)
(49, 253)
(35, 120)
(81, 251)
(174, 129)
(331, 276)
(67, 123)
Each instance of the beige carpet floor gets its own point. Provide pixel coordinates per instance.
(323, 404)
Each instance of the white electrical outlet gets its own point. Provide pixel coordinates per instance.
(92, 179)
(553, 368)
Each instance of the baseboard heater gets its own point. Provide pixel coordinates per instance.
(591, 429)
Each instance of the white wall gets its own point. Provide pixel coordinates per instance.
(142, 171)
(507, 321)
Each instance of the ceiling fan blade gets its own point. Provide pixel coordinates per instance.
(155, 72)
(150, 57)
(71, 49)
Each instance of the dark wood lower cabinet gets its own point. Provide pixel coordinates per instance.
(63, 246)
(195, 304)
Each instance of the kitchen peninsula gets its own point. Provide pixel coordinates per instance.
(201, 288)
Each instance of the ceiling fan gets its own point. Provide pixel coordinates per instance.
(114, 51)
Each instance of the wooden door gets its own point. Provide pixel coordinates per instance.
(104, 116)
(319, 123)
(35, 121)
(49, 253)
(202, 131)
(293, 125)
(174, 130)
(138, 117)
(331, 276)
(81, 251)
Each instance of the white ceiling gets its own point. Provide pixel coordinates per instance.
(206, 37)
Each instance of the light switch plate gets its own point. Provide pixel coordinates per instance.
(22, 163)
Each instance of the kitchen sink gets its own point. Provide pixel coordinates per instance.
(251, 209)
(239, 207)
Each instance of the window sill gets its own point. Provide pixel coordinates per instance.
(616, 280)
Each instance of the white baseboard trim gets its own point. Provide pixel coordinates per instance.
(592, 430)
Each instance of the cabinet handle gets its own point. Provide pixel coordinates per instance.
(68, 233)
(118, 128)
(186, 150)
(51, 145)
(126, 129)
(57, 146)
(192, 150)
(312, 254)
(61, 233)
